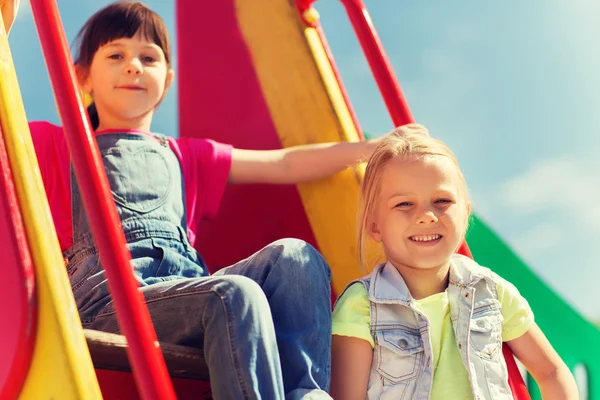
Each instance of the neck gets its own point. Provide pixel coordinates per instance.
(424, 282)
(141, 123)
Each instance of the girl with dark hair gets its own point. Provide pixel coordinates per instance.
(264, 323)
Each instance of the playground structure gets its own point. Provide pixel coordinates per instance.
(273, 83)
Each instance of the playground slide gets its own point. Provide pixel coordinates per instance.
(270, 86)
(575, 339)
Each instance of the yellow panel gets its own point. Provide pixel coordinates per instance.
(307, 106)
(61, 367)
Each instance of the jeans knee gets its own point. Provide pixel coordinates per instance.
(302, 261)
(241, 291)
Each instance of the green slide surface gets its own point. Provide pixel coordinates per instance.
(574, 338)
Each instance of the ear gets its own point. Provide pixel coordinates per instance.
(373, 230)
(170, 77)
(83, 79)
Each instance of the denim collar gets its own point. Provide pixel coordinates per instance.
(388, 286)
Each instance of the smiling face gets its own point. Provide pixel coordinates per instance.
(127, 79)
(421, 211)
(123, 61)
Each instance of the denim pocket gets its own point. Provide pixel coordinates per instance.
(175, 261)
(486, 331)
(131, 184)
(399, 356)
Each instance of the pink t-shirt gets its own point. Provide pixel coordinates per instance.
(205, 165)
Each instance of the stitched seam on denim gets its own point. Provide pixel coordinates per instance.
(82, 254)
(129, 237)
(233, 351)
(156, 298)
(90, 272)
(121, 201)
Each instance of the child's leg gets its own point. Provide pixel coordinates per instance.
(296, 281)
(227, 316)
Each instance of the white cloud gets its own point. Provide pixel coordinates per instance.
(539, 239)
(566, 185)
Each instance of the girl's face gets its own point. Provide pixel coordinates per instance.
(421, 213)
(127, 79)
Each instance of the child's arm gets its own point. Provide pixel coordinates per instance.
(297, 164)
(350, 367)
(8, 9)
(544, 364)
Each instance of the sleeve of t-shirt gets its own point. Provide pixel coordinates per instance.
(518, 316)
(205, 165)
(352, 314)
(218, 164)
(53, 159)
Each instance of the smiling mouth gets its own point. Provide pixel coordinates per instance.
(425, 238)
(130, 87)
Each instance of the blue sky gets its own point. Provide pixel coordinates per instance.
(510, 86)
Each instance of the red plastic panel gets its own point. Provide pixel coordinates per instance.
(17, 289)
(220, 98)
(116, 385)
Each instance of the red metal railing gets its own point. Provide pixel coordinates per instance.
(148, 365)
(400, 113)
(382, 71)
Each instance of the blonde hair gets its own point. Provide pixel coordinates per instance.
(412, 141)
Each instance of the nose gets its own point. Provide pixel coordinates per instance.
(426, 217)
(134, 67)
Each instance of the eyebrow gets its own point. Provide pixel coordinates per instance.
(402, 194)
(119, 44)
(441, 192)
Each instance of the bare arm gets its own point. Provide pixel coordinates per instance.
(8, 9)
(297, 164)
(350, 367)
(545, 365)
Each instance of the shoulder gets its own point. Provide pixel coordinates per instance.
(353, 301)
(355, 290)
(44, 130)
(48, 140)
(202, 147)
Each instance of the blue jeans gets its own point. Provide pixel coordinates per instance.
(264, 323)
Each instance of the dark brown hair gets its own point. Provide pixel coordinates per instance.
(122, 19)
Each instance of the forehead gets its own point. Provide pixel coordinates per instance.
(136, 41)
(411, 174)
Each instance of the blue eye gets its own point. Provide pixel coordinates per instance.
(443, 201)
(149, 59)
(404, 204)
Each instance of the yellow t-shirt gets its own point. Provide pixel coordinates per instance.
(352, 317)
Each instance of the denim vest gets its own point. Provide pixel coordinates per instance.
(402, 357)
(146, 182)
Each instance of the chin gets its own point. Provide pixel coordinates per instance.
(430, 262)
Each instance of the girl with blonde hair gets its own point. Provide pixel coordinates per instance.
(428, 323)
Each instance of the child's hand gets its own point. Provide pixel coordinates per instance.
(8, 9)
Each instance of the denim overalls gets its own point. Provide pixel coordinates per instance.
(264, 324)
(402, 358)
(152, 213)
